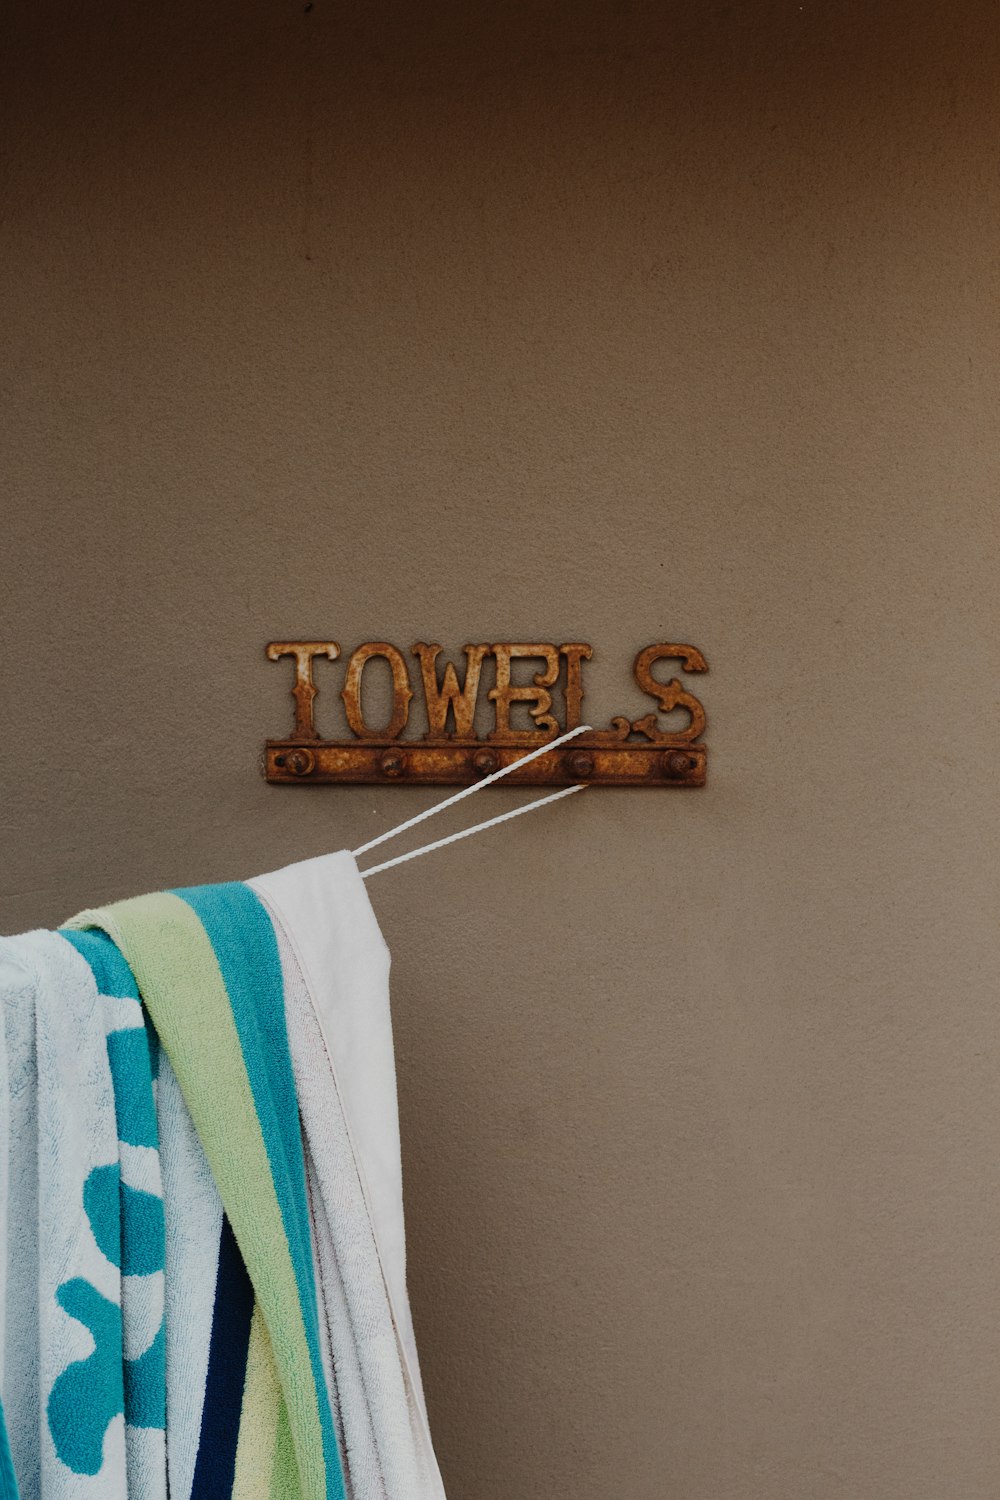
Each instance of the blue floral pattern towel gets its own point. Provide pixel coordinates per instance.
(83, 1338)
(133, 1054)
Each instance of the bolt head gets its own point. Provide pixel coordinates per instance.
(676, 763)
(486, 762)
(581, 763)
(391, 763)
(300, 762)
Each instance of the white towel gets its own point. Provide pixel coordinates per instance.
(377, 1441)
(61, 1357)
(193, 1213)
(335, 958)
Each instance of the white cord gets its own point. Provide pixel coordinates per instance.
(465, 833)
(467, 791)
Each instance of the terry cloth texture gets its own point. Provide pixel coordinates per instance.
(8, 1482)
(193, 1213)
(336, 978)
(133, 1056)
(207, 965)
(62, 1362)
(203, 1285)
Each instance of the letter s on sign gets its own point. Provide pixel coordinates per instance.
(671, 695)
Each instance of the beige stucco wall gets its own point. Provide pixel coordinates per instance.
(614, 322)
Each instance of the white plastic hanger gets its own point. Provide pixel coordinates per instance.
(468, 791)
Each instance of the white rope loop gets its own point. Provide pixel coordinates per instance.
(469, 791)
(465, 833)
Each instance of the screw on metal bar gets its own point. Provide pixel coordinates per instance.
(676, 763)
(485, 762)
(391, 763)
(581, 763)
(300, 762)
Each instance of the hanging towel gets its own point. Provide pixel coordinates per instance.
(62, 1357)
(193, 1215)
(133, 1054)
(336, 976)
(189, 1247)
(201, 1229)
(207, 965)
(169, 1263)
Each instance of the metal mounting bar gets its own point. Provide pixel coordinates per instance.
(590, 759)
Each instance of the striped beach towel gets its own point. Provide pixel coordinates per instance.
(208, 969)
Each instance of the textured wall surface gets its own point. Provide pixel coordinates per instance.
(607, 321)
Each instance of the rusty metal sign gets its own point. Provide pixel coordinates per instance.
(630, 752)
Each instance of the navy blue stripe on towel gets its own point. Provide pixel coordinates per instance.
(227, 1366)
